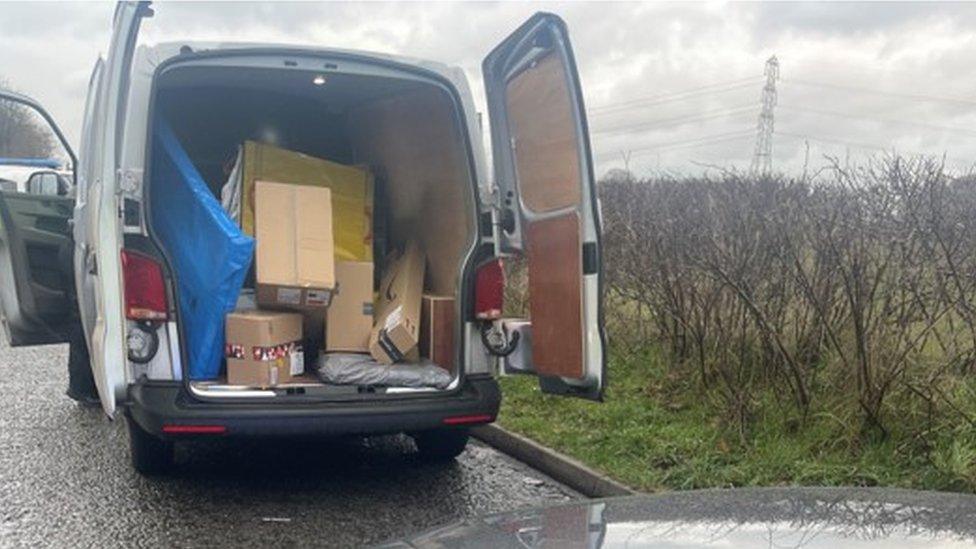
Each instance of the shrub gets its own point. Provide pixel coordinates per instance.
(859, 284)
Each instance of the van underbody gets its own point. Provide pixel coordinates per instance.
(407, 127)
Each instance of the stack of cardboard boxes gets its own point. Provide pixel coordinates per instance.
(304, 280)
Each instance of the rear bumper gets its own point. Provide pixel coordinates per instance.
(155, 404)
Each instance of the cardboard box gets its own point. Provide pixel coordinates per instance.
(295, 264)
(437, 316)
(352, 193)
(264, 348)
(396, 333)
(350, 316)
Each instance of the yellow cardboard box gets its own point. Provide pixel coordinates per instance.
(351, 186)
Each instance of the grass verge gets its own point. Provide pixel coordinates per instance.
(656, 431)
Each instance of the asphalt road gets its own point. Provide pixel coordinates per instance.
(65, 480)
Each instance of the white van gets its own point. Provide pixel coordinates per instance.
(414, 124)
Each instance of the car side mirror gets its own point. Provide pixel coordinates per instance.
(49, 183)
(32, 143)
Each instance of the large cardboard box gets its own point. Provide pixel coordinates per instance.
(437, 325)
(264, 348)
(352, 193)
(396, 333)
(350, 316)
(295, 263)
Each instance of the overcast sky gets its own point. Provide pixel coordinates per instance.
(676, 84)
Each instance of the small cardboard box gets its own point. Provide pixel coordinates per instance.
(437, 326)
(350, 316)
(295, 266)
(264, 348)
(396, 333)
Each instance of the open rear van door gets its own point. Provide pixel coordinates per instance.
(547, 203)
(37, 298)
(101, 259)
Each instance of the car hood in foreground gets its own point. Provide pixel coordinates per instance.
(811, 518)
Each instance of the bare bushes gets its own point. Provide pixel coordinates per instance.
(860, 285)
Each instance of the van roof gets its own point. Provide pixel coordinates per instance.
(157, 53)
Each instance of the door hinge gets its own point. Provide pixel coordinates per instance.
(129, 189)
(491, 196)
(129, 183)
(501, 205)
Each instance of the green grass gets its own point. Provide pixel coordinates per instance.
(657, 431)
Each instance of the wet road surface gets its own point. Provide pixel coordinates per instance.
(65, 480)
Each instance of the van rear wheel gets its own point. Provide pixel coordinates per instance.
(441, 444)
(150, 455)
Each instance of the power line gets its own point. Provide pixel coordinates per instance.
(880, 119)
(669, 97)
(836, 141)
(704, 140)
(911, 96)
(647, 102)
(708, 141)
(665, 122)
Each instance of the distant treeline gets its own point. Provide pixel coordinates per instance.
(23, 134)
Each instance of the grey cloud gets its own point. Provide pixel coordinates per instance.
(854, 18)
(624, 50)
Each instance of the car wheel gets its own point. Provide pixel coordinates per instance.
(441, 444)
(150, 455)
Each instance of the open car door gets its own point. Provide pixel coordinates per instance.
(547, 205)
(37, 303)
(99, 262)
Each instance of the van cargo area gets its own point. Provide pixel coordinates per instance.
(405, 129)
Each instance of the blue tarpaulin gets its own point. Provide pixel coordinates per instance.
(31, 162)
(210, 254)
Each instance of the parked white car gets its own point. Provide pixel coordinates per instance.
(414, 123)
(35, 176)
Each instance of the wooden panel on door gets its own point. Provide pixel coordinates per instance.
(541, 123)
(555, 263)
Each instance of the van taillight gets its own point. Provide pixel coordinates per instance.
(145, 290)
(488, 290)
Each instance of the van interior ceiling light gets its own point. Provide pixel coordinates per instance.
(318, 80)
(270, 135)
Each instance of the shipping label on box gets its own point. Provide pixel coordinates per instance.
(286, 297)
(295, 264)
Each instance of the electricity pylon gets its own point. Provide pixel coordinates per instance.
(762, 158)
